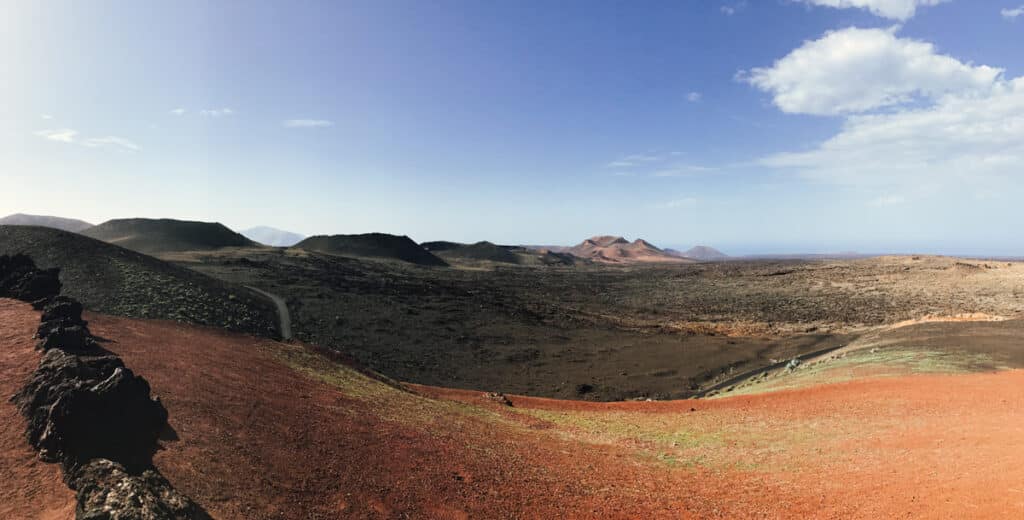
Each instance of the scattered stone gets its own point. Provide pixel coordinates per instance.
(20, 279)
(75, 338)
(107, 491)
(498, 397)
(62, 308)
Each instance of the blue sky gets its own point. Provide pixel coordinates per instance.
(757, 126)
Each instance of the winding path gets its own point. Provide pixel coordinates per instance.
(282, 312)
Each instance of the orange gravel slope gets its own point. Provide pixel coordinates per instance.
(267, 430)
(28, 488)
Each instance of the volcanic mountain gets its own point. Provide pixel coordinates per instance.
(65, 224)
(373, 245)
(273, 236)
(700, 253)
(153, 236)
(613, 249)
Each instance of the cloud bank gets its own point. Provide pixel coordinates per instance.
(913, 118)
(857, 70)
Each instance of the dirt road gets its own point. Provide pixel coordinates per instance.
(282, 312)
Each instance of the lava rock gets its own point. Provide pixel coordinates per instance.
(62, 308)
(20, 279)
(59, 373)
(114, 419)
(75, 338)
(106, 490)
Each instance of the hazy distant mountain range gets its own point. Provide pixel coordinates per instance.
(65, 224)
(701, 253)
(168, 235)
(273, 236)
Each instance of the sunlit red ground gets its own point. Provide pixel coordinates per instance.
(267, 430)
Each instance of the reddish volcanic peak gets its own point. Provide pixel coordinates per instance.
(615, 249)
(605, 240)
(645, 244)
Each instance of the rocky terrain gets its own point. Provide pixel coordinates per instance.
(114, 280)
(312, 437)
(868, 365)
(606, 332)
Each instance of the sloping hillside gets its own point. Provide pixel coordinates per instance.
(272, 236)
(166, 235)
(114, 280)
(372, 245)
(65, 224)
(313, 438)
(613, 249)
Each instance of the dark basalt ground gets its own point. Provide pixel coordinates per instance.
(617, 332)
(114, 280)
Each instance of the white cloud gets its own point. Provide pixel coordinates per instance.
(178, 111)
(46, 116)
(308, 123)
(63, 135)
(67, 135)
(902, 10)
(888, 200)
(111, 141)
(963, 133)
(962, 140)
(685, 202)
(693, 97)
(1011, 14)
(857, 70)
(216, 112)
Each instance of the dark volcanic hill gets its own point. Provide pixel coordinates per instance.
(372, 245)
(612, 249)
(152, 236)
(701, 253)
(441, 245)
(65, 224)
(484, 251)
(113, 280)
(273, 236)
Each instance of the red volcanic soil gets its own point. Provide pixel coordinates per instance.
(28, 488)
(266, 430)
